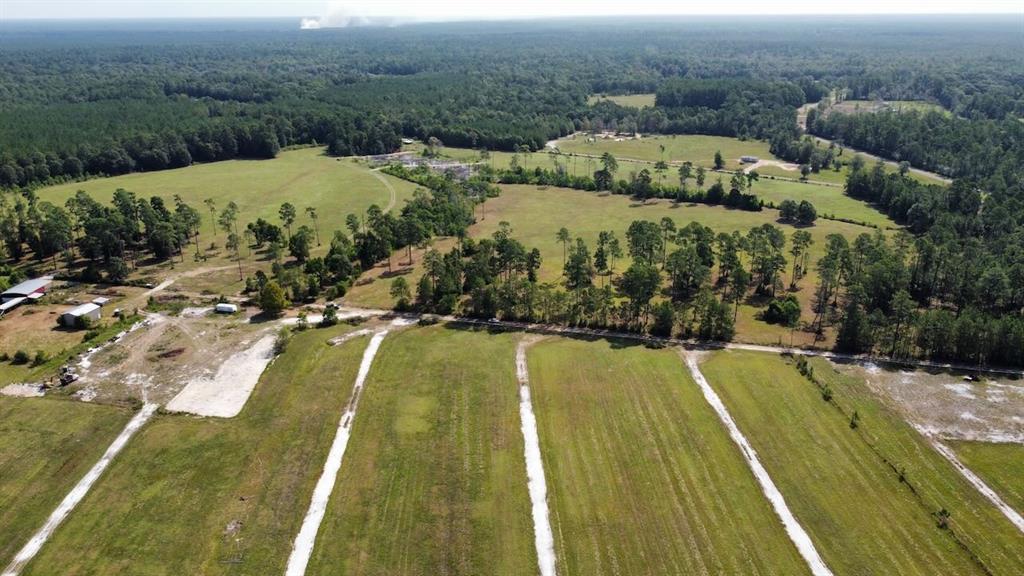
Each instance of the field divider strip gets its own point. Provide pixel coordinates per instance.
(983, 488)
(796, 532)
(302, 549)
(29, 551)
(543, 537)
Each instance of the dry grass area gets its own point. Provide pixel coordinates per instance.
(949, 405)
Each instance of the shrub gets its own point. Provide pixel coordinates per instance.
(40, 358)
(330, 317)
(785, 311)
(284, 336)
(4, 357)
(20, 357)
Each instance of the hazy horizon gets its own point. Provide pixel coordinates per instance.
(318, 13)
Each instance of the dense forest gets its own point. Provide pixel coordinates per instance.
(110, 101)
(83, 103)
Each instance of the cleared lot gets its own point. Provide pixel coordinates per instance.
(209, 496)
(642, 477)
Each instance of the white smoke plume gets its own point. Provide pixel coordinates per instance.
(336, 15)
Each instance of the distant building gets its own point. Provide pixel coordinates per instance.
(749, 159)
(225, 308)
(73, 318)
(100, 301)
(27, 289)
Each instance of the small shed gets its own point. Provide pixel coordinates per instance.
(749, 159)
(100, 301)
(225, 308)
(73, 318)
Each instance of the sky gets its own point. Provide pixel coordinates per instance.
(320, 13)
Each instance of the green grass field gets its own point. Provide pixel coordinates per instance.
(634, 100)
(434, 480)
(166, 504)
(46, 446)
(304, 177)
(698, 149)
(1001, 466)
(642, 477)
(866, 106)
(537, 214)
(862, 519)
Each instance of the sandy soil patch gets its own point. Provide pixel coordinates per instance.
(946, 406)
(226, 393)
(22, 390)
(788, 166)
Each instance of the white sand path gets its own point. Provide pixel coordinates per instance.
(543, 537)
(26, 554)
(795, 531)
(979, 484)
(302, 549)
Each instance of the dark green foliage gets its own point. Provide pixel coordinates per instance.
(785, 311)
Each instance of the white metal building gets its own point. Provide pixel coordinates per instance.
(73, 318)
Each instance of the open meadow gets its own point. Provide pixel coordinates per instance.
(45, 447)
(536, 214)
(633, 100)
(870, 496)
(434, 480)
(213, 496)
(642, 477)
(307, 178)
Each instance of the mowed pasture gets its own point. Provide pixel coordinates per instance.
(629, 100)
(207, 496)
(1000, 465)
(306, 178)
(46, 446)
(642, 476)
(434, 480)
(844, 484)
(536, 215)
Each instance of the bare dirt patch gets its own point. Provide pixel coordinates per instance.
(950, 407)
(160, 358)
(225, 394)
